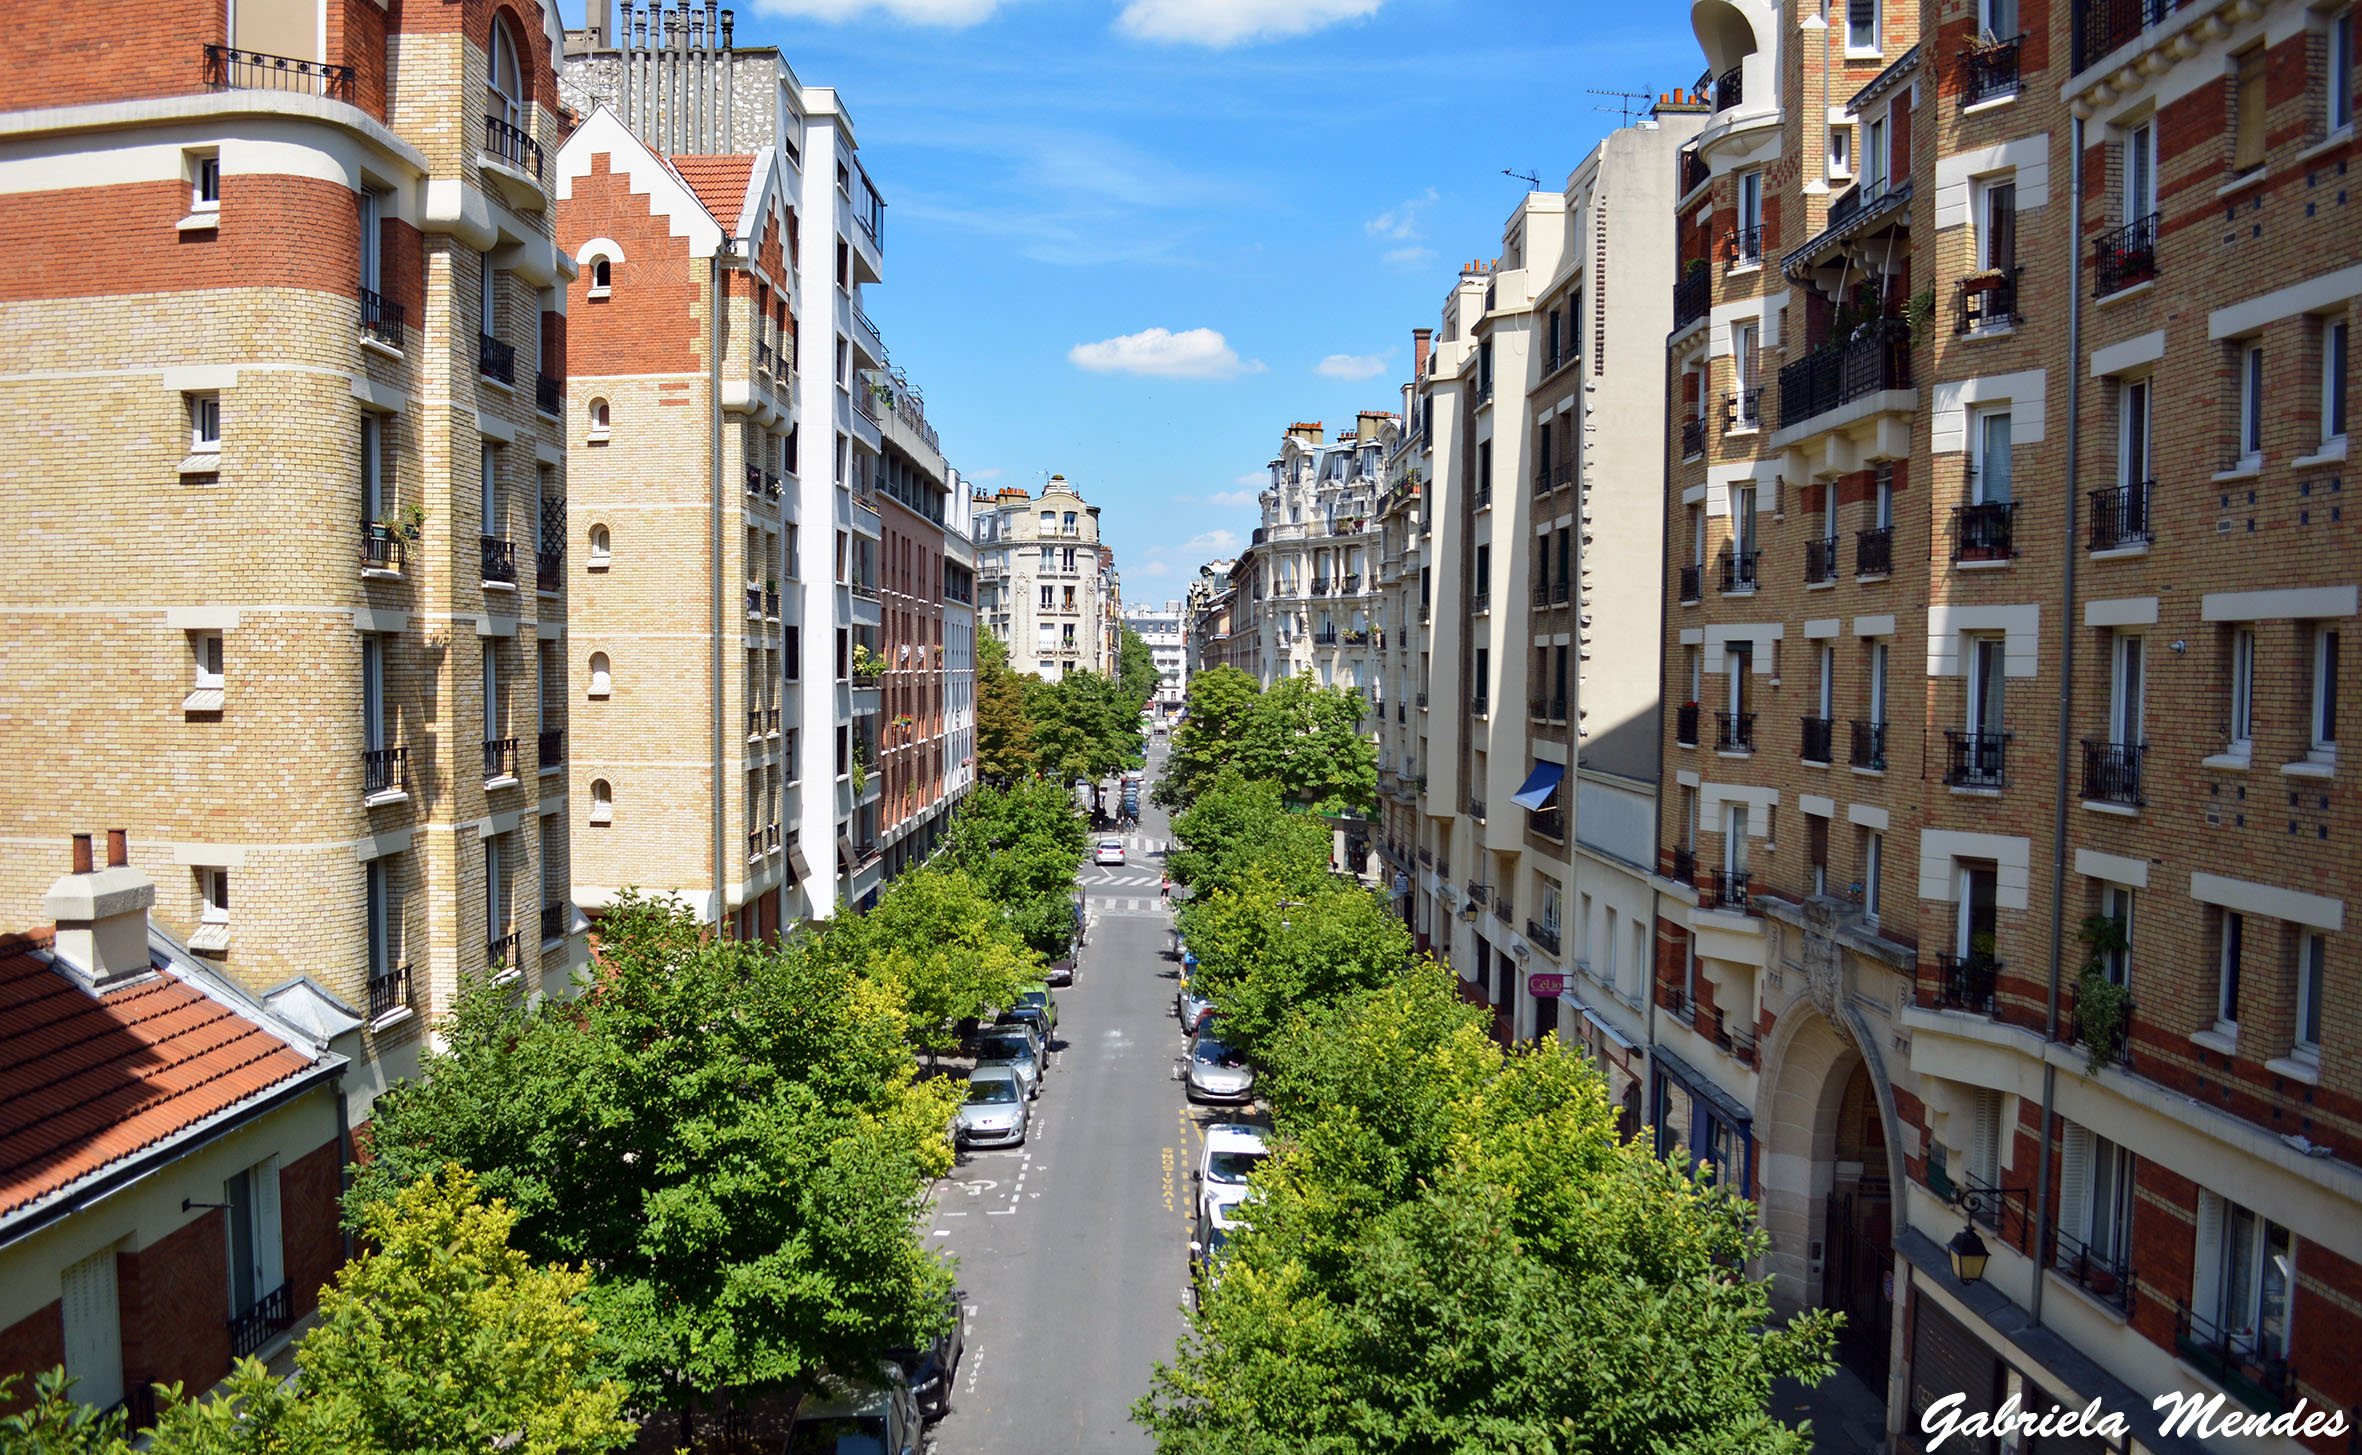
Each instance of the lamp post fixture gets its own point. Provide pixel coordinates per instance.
(1968, 1254)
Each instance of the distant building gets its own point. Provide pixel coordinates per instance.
(1045, 585)
(1161, 628)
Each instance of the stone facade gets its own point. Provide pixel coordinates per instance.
(1045, 584)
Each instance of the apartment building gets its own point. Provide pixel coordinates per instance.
(1051, 585)
(326, 337)
(779, 473)
(1160, 628)
(1311, 566)
(2037, 968)
(924, 510)
(1207, 604)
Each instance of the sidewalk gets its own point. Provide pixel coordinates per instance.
(1848, 1418)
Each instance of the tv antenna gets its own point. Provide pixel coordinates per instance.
(1532, 184)
(1626, 102)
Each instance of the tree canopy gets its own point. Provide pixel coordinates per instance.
(1304, 738)
(1237, 827)
(947, 947)
(1083, 726)
(1019, 845)
(1004, 734)
(1136, 672)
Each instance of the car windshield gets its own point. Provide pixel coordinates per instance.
(1232, 1166)
(1213, 1053)
(1033, 1000)
(1004, 1048)
(864, 1435)
(992, 1092)
(1115, 844)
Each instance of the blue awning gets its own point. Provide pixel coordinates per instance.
(1539, 785)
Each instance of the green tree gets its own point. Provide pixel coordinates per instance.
(1213, 722)
(43, 1418)
(1083, 726)
(728, 1135)
(1309, 740)
(1264, 956)
(1136, 670)
(1004, 734)
(1235, 828)
(948, 948)
(1020, 845)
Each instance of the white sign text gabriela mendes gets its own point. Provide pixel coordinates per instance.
(2184, 1414)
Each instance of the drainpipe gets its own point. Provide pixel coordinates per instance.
(726, 249)
(2058, 824)
(344, 1158)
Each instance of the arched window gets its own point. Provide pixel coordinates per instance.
(598, 548)
(602, 277)
(602, 682)
(504, 81)
(598, 419)
(602, 801)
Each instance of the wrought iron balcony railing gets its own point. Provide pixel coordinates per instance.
(380, 319)
(1693, 438)
(1989, 72)
(1743, 410)
(549, 748)
(2126, 256)
(389, 990)
(1985, 302)
(2112, 772)
(1685, 865)
(500, 951)
(1869, 747)
(1874, 551)
(496, 360)
(270, 1317)
(1815, 739)
(1727, 889)
(2250, 1364)
(230, 69)
(1968, 982)
(1984, 531)
(549, 395)
(1692, 584)
(2103, 25)
(2120, 516)
(1685, 725)
(505, 141)
(499, 558)
(1692, 296)
(381, 549)
(383, 770)
(1543, 935)
(553, 923)
(1878, 358)
(2105, 1276)
(1740, 570)
(1743, 245)
(1976, 759)
(1734, 732)
(1820, 560)
(1727, 90)
(500, 758)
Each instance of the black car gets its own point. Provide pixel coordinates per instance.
(1039, 1018)
(931, 1370)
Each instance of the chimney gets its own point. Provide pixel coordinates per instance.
(1422, 340)
(102, 915)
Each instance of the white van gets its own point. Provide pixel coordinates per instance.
(844, 1419)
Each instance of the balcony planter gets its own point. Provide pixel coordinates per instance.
(405, 524)
(2103, 1009)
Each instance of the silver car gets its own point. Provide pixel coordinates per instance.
(1012, 1047)
(1219, 1073)
(1193, 1007)
(995, 1113)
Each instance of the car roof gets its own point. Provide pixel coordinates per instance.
(1111, 843)
(992, 1073)
(1235, 1137)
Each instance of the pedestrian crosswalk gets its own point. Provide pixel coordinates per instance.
(1114, 878)
(1150, 907)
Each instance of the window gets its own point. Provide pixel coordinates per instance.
(1746, 350)
(1484, 570)
(791, 655)
(1816, 847)
(213, 896)
(1841, 151)
(375, 504)
(369, 205)
(204, 423)
(1484, 679)
(1987, 659)
(1997, 229)
(601, 422)
(2132, 433)
(487, 296)
(1878, 681)
(205, 183)
(2243, 690)
(2140, 172)
(1861, 25)
(1983, 1167)
(1046, 597)
(1874, 158)
(1976, 926)
(2246, 1268)
(205, 660)
(503, 83)
(2230, 947)
(601, 548)
(250, 1216)
(2095, 1207)
(1989, 478)
(378, 900)
(90, 1309)
(602, 794)
(1750, 239)
(1734, 844)
(2333, 381)
(2251, 406)
(2247, 110)
(1873, 871)
(2341, 71)
(497, 868)
(2001, 18)
(488, 491)
(2116, 908)
(2126, 668)
(373, 733)
(602, 683)
(2312, 973)
(602, 278)
(2323, 713)
(495, 698)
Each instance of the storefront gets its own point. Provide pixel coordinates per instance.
(1693, 1115)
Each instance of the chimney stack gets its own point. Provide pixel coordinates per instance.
(102, 915)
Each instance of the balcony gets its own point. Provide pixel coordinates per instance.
(2103, 25)
(1693, 438)
(1986, 303)
(2123, 1052)
(1818, 732)
(1483, 494)
(1820, 561)
(500, 952)
(1692, 297)
(496, 360)
(230, 69)
(1878, 358)
(1726, 889)
(1874, 552)
(381, 320)
(1968, 982)
(1727, 90)
(1320, 586)
(1869, 746)
(389, 991)
(2120, 517)
(2252, 1367)
(1549, 821)
(270, 1317)
(1975, 760)
(1742, 246)
(2105, 1277)
(1351, 586)
(1740, 571)
(381, 549)
(553, 923)
(1325, 637)
(1544, 936)
(499, 559)
(500, 760)
(1685, 725)
(1476, 811)
(511, 144)
(1983, 532)
(549, 395)
(1734, 732)
(2124, 257)
(1735, 1042)
(549, 749)
(1989, 72)
(2112, 772)
(1685, 866)
(1480, 601)
(1743, 410)
(384, 770)
(1693, 584)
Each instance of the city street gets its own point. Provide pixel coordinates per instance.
(1073, 1248)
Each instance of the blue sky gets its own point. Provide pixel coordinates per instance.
(1302, 178)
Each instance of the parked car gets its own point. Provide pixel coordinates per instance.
(1040, 995)
(1205, 1254)
(995, 1113)
(1218, 1072)
(840, 1418)
(1013, 1047)
(1032, 1017)
(1062, 971)
(1193, 1007)
(932, 1370)
(1110, 851)
(1231, 1152)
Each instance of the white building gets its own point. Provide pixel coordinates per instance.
(1161, 628)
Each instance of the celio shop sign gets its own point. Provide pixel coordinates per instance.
(2184, 1414)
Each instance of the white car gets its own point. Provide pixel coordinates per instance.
(1232, 1151)
(1110, 851)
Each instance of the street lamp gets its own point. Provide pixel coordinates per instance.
(1968, 1254)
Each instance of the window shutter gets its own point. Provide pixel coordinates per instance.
(270, 1263)
(93, 1330)
(1984, 1148)
(2248, 141)
(2075, 1186)
(2206, 1277)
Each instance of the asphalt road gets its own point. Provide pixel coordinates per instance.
(1074, 1248)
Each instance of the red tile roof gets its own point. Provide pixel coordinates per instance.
(87, 1080)
(719, 182)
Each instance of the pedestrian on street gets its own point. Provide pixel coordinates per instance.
(1165, 893)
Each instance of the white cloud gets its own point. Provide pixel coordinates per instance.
(1232, 498)
(1210, 543)
(1197, 353)
(1220, 23)
(993, 473)
(1150, 568)
(954, 14)
(1403, 221)
(1409, 257)
(1351, 366)
(1252, 477)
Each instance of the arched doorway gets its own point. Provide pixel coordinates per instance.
(1860, 1223)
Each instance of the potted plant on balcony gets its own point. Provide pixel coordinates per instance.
(2103, 1009)
(404, 523)
(867, 662)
